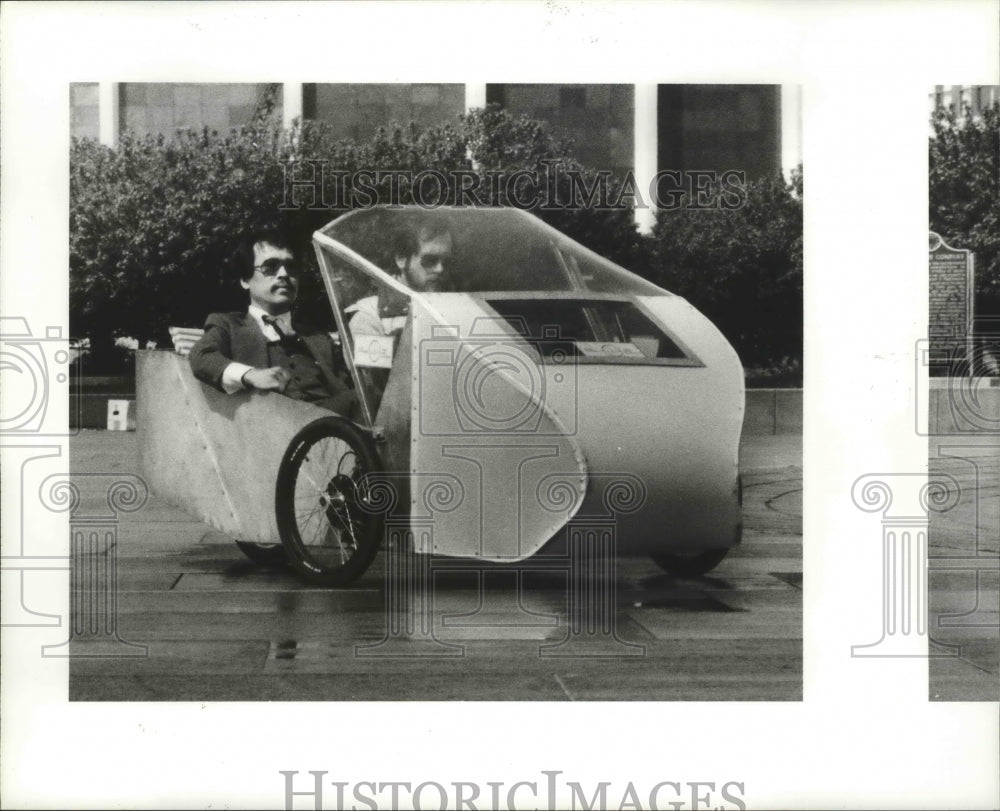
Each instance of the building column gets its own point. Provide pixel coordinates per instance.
(645, 151)
(475, 99)
(291, 106)
(791, 128)
(107, 113)
(475, 95)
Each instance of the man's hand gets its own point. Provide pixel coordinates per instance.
(184, 338)
(273, 379)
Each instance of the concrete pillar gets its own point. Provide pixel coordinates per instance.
(107, 113)
(646, 153)
(791, 128)
(475, 95)
(475, 98)
(291, 108)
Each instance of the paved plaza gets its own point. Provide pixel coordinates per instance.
(216, 626)
(964, 581)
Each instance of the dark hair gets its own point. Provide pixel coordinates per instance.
(415, 228)
(242, 259)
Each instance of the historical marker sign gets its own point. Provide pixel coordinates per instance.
(951, 304)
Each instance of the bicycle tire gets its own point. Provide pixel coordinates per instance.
(322, 498)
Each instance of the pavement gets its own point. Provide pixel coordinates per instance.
(196, 621)
(964, 570)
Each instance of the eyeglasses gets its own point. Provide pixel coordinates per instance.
(270, 267)
(429, 261)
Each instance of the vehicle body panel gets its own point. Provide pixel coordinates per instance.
(516, 439)
(214, 455)
(478, 421)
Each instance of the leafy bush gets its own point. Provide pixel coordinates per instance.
(499, 142)
(965, 192)
(742, 268)
(153, 223)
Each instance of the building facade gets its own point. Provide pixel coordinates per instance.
(623, 128)
(974, 97)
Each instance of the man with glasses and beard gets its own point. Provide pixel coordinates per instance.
(261, 349)
(422, 252)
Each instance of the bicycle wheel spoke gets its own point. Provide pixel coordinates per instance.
(328, 537)
(318, 463)
(311, 526)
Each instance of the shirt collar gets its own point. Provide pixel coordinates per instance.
(284, 321)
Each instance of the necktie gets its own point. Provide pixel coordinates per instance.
(273, 324)
(291, 343)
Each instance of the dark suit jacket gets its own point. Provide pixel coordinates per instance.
(236, 337)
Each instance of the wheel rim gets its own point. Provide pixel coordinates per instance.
(324, 498)
(327, 503)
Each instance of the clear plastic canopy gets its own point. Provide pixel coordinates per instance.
(494, 250)
(556, 297)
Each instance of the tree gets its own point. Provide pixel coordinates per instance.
(153, 222)
(742, 267)
(965, 192)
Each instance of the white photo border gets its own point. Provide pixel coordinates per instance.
(865, 734)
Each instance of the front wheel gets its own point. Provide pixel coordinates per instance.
(693, 564)
(690, 565)
(263, 554)
(323, 502)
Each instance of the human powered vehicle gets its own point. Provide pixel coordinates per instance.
(539, 390)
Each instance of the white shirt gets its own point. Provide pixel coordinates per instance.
(365, 319)
(232, 375)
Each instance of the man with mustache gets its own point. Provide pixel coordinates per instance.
(260, 350)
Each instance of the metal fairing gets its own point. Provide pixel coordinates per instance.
(662, 442)
(214, 455)
(495, 471)
(655, 447)
(393, 419)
